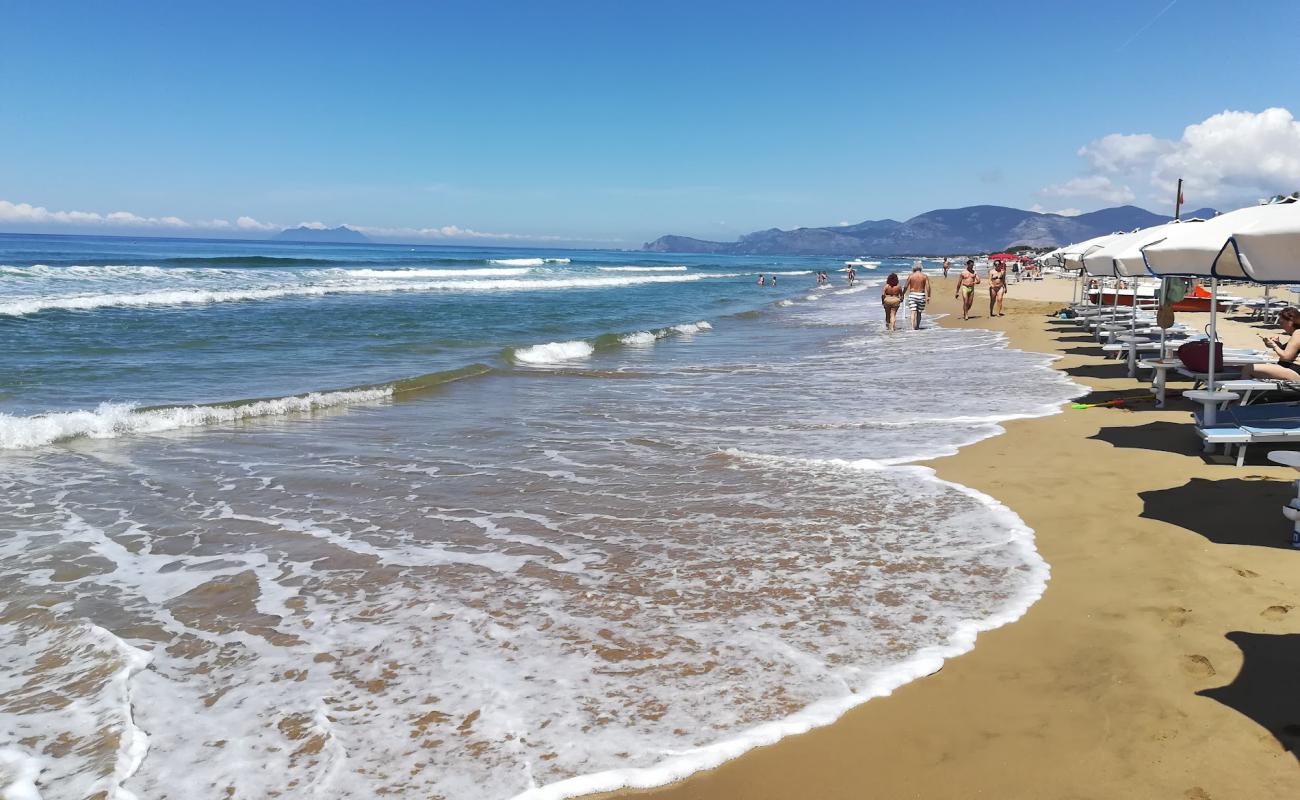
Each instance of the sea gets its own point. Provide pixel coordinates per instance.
(341, 521)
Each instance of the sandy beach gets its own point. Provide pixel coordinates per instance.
(1163, 660)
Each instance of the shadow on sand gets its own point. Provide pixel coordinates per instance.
(1093, 352)
(1265, 689)
(1112, 369)
(1168, 437)
(1228, 511)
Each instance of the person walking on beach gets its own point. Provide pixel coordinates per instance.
(945, 268)
(918, 293)
(966, 288)
(891, 297)
(997, 288)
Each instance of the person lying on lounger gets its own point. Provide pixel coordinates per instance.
(1287, 350)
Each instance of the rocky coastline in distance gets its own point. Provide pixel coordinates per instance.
(973, 229)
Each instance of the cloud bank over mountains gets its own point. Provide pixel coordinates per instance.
(29, 217)
(1235, 157)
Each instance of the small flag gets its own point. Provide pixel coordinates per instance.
(1180, 197)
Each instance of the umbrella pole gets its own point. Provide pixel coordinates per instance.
(1160, 298)
(1214, 341)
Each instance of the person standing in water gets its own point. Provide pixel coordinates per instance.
(997, 288)
(918, 293)
(891, 297)
(762, 279)
(966, 288)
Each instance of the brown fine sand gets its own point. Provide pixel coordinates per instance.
(1163, 660)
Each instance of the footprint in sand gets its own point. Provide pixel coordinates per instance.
(1196, 793)
(1246, 573)
(1275, 613)
(1174, 616)
(1198, 666)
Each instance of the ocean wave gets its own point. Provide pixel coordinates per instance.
(553, 352)
(642, 269)
(400, 273)
(23, 306)
(252, 261)
(110, 420)
(100, 271)
(527, 262)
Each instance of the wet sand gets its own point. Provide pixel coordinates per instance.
(1163, 660)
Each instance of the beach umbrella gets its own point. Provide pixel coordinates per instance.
(1123, 256)
(1191, 250)
(1262, 243)
(1072, 256)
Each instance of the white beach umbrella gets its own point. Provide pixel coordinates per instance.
(1191, 251)
(1122, 255)
(1072, 255)
(1262, 245)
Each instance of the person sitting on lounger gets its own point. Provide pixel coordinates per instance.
(1287, 350)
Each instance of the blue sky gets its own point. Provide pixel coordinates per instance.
(613, 122)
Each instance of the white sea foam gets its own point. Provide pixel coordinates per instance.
(110, 420)
(22, 306)
(688, 328)
(415, 272)
(639, 338)
(554, 352)
(642, 269)
(527, 262)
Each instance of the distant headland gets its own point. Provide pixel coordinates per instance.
(304, 234)
(974, 229)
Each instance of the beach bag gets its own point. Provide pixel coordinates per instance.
(1196, 356)
(1165, 317)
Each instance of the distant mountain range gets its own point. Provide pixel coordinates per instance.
(952, 231)
(304, 234)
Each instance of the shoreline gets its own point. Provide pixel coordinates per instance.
(1105, 686)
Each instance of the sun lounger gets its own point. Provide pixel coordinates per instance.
(1246, 425)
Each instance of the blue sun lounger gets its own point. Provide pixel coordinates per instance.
(1246, 425)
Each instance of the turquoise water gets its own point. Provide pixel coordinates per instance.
(317, 521)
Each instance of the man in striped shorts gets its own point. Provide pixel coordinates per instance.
(918, 294)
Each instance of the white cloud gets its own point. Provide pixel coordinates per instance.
(452, 232)
(1091, 187)
(1064, 212)
(1231, 158)
(27, 215)
(250, 224)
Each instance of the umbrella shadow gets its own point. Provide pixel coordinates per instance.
(1264, 690)
(1076, 337)
(1095, 351)
(1112, 369)
(1167, 437)
(1237, 511)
